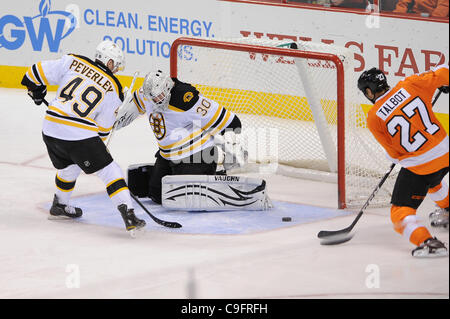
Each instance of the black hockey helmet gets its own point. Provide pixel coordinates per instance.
(374, 79)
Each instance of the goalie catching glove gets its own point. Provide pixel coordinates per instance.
(232, 153)
(127, 112)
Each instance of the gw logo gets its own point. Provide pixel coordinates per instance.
(38, 28)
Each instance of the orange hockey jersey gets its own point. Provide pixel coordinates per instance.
(403, 122)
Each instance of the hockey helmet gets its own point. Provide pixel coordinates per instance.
(157, 86)
(108, 50)
(374, 79)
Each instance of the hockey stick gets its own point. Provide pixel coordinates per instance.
(157, 220)
(335, 237)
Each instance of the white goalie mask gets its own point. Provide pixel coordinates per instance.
(157, 86)
(108, 50)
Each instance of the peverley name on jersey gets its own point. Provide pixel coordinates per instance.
(91, 73)
(392, 103)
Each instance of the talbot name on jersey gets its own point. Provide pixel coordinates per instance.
(222, 178)
(392, 103)
(92, 74)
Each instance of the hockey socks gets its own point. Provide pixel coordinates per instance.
(116, 187)
(65, 183)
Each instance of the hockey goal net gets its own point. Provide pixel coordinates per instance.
(298, 105)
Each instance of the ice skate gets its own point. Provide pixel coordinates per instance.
(432, 247)
(439, 218)
(61, 211)
(132, 223)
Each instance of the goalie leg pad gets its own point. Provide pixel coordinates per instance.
(214, 192)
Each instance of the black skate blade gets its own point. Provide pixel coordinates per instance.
(336, 239)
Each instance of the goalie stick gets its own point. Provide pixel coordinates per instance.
(335, 237)
(156, 219)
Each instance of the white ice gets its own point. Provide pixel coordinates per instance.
(42, 259)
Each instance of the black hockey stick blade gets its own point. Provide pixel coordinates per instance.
(334, 237)
(156, 219)
(343, 235)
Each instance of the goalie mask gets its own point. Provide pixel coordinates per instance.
(108, 50)
(157, 86)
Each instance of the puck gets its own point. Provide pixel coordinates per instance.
(286, 219)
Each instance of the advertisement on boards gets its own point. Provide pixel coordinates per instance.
(44, 29)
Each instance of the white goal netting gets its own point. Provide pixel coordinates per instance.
(289, 109)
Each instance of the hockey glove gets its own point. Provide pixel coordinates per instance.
(444, 89)
(38, 94)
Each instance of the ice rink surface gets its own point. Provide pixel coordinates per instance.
(47, 259)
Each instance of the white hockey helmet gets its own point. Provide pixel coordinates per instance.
(108, 50)
(157, 86)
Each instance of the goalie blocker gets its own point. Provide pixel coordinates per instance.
(202, 192)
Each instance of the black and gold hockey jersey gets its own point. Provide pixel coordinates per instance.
(188, 125)
(87, 99)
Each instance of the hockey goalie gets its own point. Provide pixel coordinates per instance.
(194, 135)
